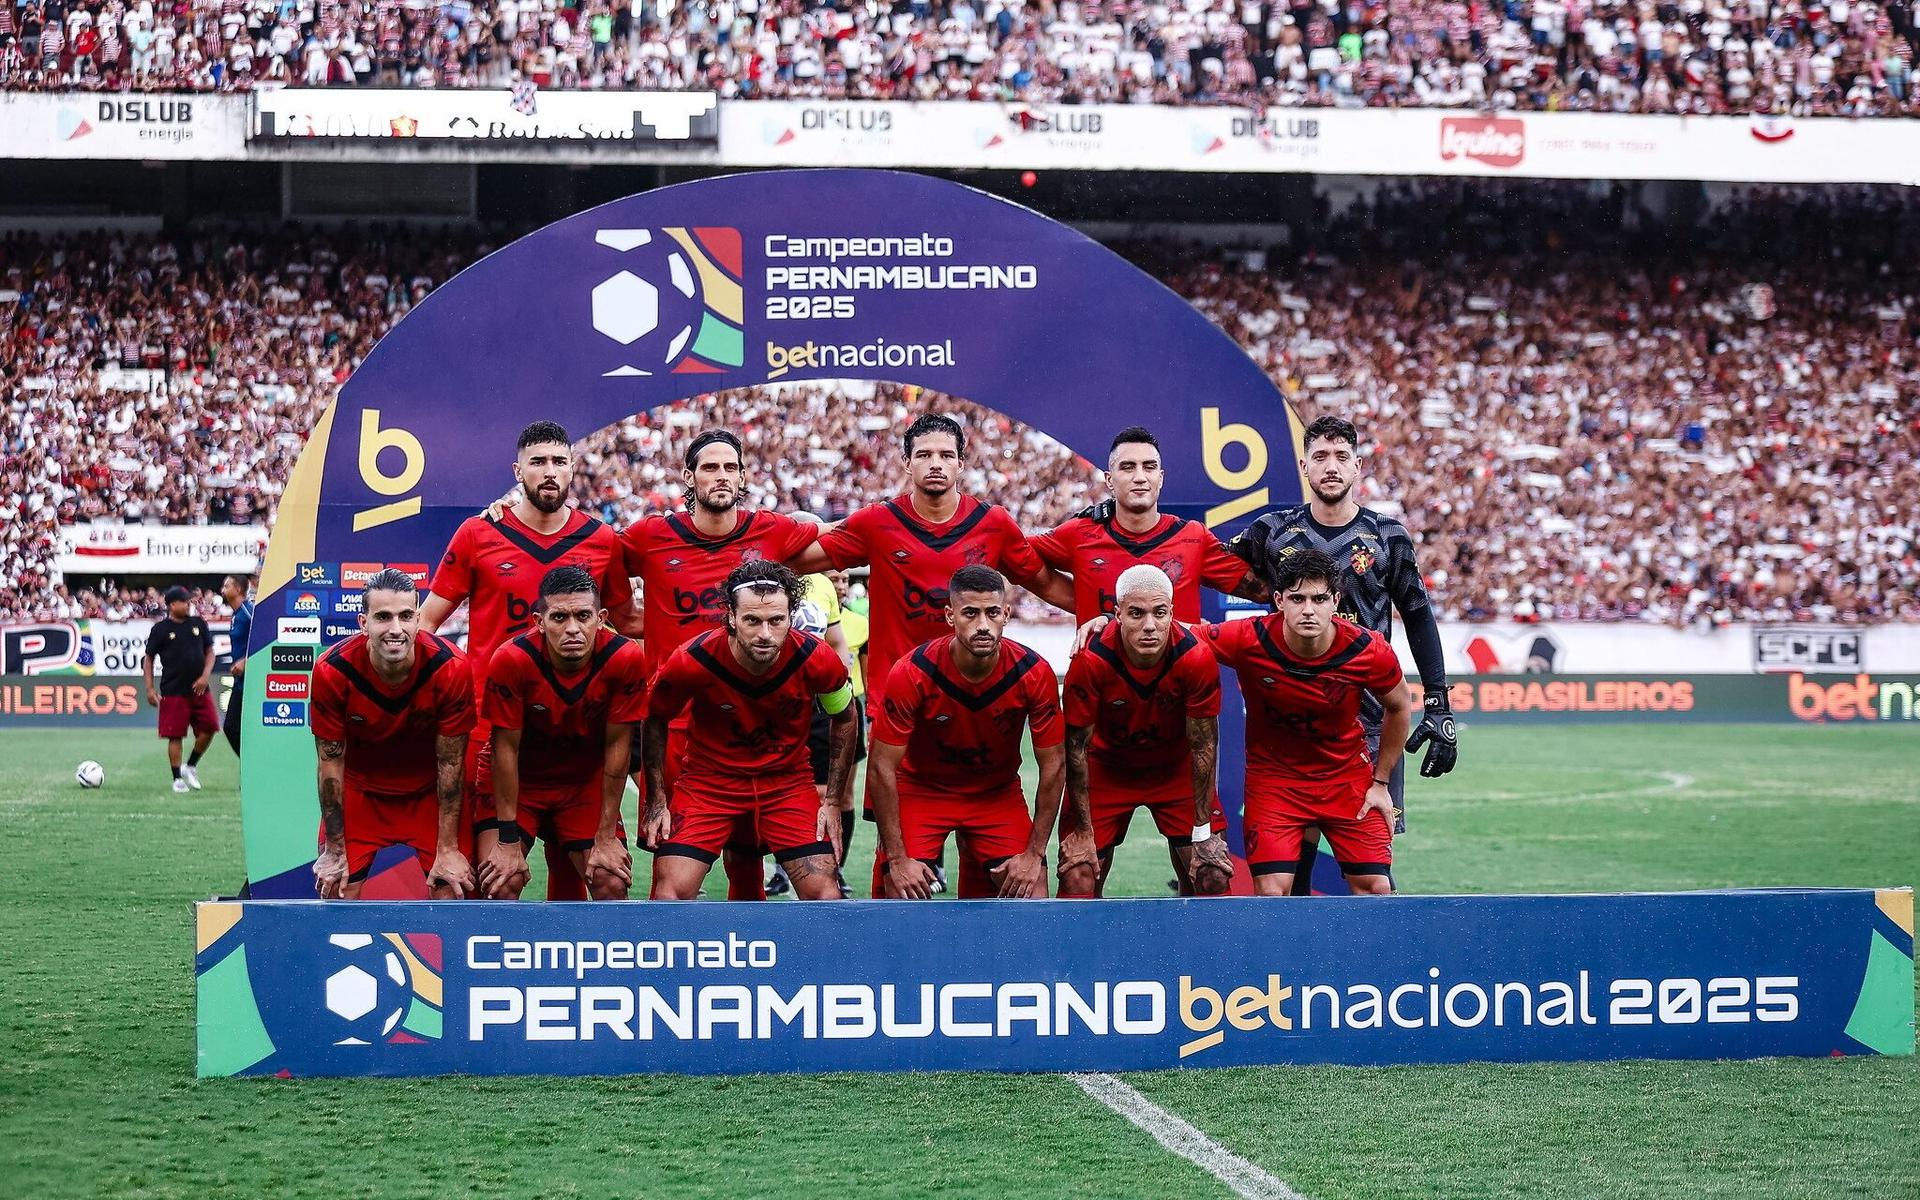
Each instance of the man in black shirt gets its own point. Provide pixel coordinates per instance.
(183, 646)
(1379, 575)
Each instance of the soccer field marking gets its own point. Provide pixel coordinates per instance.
(1178, 1137)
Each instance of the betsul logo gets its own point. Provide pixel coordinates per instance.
(682, 308)
(386, 988)
(1495, 141)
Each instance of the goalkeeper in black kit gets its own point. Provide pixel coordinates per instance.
(1379, 575)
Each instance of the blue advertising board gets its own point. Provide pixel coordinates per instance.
(424, 988)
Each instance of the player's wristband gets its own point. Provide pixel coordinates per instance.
(1202, 833)
(1384, 782)
(508, 831)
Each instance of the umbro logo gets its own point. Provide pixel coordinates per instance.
(673, 562)
(356, 718)
(943, 717)
(506, 567)
(543, 708)
(726, 708)
(1118, 703)
(1268, 679)
(903, 555)
(1099, 562)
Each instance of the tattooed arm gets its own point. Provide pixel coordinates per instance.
(1211, 870)
(843, 737)
(452, 875)
(330, 868)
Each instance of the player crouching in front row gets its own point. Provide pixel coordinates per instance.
(1302, 671)
(751, 686)
(562, 700)
(390, 714)
(1143, 730)
(945, 757)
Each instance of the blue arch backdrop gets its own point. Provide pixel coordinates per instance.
(725, 283)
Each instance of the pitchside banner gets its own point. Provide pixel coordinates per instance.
(718, 284)
(306, 988)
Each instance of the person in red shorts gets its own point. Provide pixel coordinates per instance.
(914, 542)
(1303, 672)
(495, 563)
(751, 688)
(562, 702)
(391, 710)
(182, 644)
(1095, 546)
(1143, 731)
(945, 757)
(682, 560)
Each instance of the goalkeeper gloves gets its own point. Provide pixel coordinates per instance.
(1099, 513)
(1435, 732)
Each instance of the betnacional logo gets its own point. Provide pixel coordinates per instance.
(1861, 698)
(386, 988)
(868, 356)
(316, 575)
(1495, 141)
(679, 306)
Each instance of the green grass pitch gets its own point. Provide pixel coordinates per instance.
(97, 1095)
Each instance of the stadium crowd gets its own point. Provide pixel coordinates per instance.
(1806, 57)
(1578, 413)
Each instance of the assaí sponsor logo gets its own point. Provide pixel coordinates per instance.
(1862, 698)
(877, 354)
(1495, 141)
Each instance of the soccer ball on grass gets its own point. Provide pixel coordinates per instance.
(90, 774)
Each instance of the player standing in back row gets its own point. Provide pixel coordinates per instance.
(495, 564)
(1378, 575)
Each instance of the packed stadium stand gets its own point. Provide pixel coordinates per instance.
(1803, 57)
(1582, 413)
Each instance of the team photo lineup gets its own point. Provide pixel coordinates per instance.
(726, 690)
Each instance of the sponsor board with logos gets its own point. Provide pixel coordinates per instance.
(1633, 647)
(122, 126)
(1326, 141)
(483, 115)
(436, 988)
(93, 550)
(1599, 699)
(69, 701)
(85, 647)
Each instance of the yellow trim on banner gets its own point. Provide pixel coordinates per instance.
(1897, 903)
(425, 981)
(297, 520)
(211, 921)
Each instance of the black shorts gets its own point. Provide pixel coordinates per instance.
(817, 739)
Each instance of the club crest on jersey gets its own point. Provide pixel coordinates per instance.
(974, 556)
(1362, 561)
(1173, 567)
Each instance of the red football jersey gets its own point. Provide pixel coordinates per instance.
(745, 725)
(681, 572)
(1303, 716)
(563, 718)
(911, 562)
(1095, 553)
(1139, 718)
(962, 737)
(390, 732)
(496, 566)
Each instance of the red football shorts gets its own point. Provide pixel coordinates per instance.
(178, 713)
(567, 815)
(745, 838)
(990, 829)
(1113, 801)
(376, 820)
(711, 815)
(1277, 816)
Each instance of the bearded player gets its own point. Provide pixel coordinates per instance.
(495, 563)
(682, 560)
(1380, 574)
(392, 707)
(946, 753)
(562, 702)
(751, 687)
(1130, 530)
(913, 543)
(1143, 731)
(1304, 672)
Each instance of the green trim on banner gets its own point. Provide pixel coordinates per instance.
(423, 1019)
(1882, 1018)
(231, 1035)
(280, 808)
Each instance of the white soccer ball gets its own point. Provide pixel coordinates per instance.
(90, 774)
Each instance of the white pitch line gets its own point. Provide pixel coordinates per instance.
(1178, 1137)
